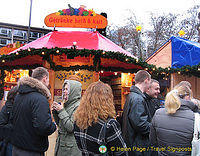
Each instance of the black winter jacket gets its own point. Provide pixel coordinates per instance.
(5, 120)
(90, 139)
(136, 122)
(152, 103)
(173, 133)
(32, 121)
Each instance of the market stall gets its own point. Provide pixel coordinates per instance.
(11, 77)
(182, 54)
(87, 54)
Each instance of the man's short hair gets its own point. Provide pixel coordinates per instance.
(153, 81)
(141, 76)
(39, 73)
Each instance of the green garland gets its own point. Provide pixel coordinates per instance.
(97, 55)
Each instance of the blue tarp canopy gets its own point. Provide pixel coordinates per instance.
(184, 52)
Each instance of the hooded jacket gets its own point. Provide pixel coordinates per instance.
(31, 118)
(66, 142)
(173, 133)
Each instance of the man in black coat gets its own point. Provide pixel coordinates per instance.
(136, 118)
(152, 97)
(32, 123)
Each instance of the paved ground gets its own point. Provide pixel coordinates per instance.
(52, 142)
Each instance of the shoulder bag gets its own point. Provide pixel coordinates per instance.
(196, 136)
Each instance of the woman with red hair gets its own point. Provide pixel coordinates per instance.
(96, 130)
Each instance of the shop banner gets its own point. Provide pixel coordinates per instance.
(76, 18)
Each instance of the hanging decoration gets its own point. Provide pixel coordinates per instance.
(138, 28)
(181, 33)
(97, 55)
(83, 77)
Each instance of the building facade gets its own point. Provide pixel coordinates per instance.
(11, 33)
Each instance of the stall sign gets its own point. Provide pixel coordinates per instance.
(76, 18)
(66, 62)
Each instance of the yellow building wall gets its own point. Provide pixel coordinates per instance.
(163, 57)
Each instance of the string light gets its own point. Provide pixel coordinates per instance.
(179, 72)
(3, 61)
(43, 53)
(103, 52)
(17, 53)
(29, 49)
(126, 59)
(115, 73)
(57, 51)
(101, 71)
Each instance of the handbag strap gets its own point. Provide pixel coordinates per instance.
(196, 134)
(103, 134)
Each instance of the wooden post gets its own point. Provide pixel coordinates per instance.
(95, 76)
(51, 80)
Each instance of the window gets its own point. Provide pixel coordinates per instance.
(40, 35)
(3, 42)
(25, 35)
(18, 33)
(8, 41)
(4, 31)
(34, 35)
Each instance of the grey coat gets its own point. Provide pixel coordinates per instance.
(173, 133)
(66, 143)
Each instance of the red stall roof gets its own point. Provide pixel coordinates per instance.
(84, 39)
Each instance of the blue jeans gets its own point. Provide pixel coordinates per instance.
(6, 148)
(9, 150)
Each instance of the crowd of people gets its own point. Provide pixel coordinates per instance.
(87, 124)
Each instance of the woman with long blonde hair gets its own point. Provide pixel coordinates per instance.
(172, 127)
(95, 124)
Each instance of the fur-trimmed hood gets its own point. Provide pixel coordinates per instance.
(35, 84)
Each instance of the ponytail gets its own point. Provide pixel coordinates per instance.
(172, 102)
